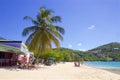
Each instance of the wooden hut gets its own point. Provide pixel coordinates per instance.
(9, 51)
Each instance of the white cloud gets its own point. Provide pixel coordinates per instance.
(92, 27)
(70, 46)
(79, 44)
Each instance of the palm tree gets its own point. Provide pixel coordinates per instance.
(43, 33)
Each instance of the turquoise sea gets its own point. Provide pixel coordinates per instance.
(104, 64)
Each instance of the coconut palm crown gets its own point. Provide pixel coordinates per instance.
(43, 33)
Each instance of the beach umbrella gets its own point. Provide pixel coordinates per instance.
(51, 58)
(6, 48)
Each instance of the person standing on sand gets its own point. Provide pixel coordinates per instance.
(24, 59)
(77, 63)
(42, 61)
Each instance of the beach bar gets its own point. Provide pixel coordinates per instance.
(9, 51)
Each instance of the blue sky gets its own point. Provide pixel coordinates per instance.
(88, 23)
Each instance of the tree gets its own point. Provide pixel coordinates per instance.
(43, 32)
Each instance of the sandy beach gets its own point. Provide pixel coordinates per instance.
(60, 71)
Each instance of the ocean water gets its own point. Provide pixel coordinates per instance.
(106, 64)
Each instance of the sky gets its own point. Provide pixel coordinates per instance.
(87, 23)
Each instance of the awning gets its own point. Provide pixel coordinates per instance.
(5, 48)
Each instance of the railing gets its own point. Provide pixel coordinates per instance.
(7, 62)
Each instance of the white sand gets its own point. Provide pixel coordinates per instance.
(60, 71)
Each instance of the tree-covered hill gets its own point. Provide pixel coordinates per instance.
(108, 47)
(109, 51)
(64, 54)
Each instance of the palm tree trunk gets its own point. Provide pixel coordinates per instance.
(39, 52)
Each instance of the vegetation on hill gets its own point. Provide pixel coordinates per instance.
(108, 52)
(64, 54)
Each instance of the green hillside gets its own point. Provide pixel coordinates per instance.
(108, 47)
(109, 51)
(64, 54)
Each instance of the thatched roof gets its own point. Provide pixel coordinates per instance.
(6, 48)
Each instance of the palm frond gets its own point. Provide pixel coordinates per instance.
(49, 46)
(45, 41)
(32, 20)
(55, 32)
(60, 29)
(44, 16)
(35, 42)
(54, 40)
(45, 12)
(29, 39)
(28, 30)
(56, 19)
(57, 35)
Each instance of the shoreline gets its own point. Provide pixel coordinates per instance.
(112, 70)
(116, 71)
